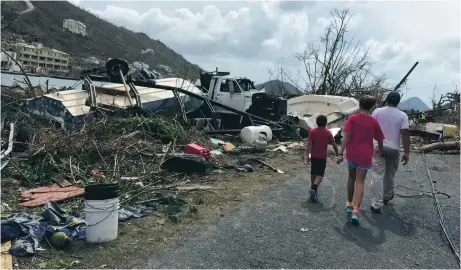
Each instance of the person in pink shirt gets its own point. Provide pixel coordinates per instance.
(360, 130)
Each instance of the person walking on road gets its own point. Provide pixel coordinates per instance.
(394, 124)
(360, 131)
(317, 148)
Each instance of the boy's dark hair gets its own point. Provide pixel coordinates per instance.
(321, 121)
(367, 102)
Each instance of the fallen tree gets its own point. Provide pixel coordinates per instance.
(441, 146)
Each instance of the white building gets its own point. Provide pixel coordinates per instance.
(7, 62)
(75, 27)
(165, 68)
(92, 60)
(140, 65)
(147, 51)
(36, 56)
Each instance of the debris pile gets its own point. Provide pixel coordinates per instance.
(155, 161)
(443, 134)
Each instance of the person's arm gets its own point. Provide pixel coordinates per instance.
(308, 149)
(347, 133)
(343, 147)
(333, 143)
(379, 137)
(405, 133)
(343, 144)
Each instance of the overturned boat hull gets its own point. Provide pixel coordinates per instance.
(72, 106)
(308, 107)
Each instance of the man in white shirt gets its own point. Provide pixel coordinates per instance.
(394, 124)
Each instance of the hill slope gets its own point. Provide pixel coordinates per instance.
(414, 103)
(279, 88)
(104, 39)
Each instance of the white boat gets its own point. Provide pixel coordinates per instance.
(71, 106)
(308, 107)
(152, 99)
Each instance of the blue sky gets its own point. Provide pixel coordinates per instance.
(249, 38)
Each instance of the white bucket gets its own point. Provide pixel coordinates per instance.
(101, 220)
(251, 134)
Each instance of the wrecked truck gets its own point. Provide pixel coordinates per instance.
(239, 94)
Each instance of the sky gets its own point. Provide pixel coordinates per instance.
(251, 38)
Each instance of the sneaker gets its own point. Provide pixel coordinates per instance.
(355, 219)
(349, 209)
(313, 195)
(375, 210)
(387, 201)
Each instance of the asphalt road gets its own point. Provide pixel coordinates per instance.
(265, 232)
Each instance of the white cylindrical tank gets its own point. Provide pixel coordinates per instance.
(251, 134)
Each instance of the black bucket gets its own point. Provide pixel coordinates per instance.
(101, 191)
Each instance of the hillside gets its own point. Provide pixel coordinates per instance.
(414, 103)
(279, 88)
(44, 24)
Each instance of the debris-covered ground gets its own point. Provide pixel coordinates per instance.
(158, 203)
(164, 194)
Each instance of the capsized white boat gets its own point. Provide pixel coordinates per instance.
(70, 106)
(308, 107)
(153, 99)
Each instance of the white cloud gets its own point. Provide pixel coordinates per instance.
(246, 38)
(291, 34)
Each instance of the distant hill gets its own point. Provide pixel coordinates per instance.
(414, 103)
(45, 24)
(279, 88)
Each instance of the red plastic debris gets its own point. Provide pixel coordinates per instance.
(41, 195)
(97, 173)
(197, 150)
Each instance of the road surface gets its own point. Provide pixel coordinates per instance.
(265, 232)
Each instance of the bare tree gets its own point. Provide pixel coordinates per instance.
(438, 102)
(338, 65)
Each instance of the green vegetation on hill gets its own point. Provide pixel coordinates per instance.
(45, 24)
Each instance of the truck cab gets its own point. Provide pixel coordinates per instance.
(239, 94)
(229, 91)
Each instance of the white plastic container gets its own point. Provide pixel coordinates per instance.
(261, 142)
(102, 220)
(251, 134)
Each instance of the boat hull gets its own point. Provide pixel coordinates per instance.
(308, 107)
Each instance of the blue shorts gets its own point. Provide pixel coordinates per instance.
(353, 165)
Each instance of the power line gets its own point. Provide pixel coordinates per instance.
(439, 210)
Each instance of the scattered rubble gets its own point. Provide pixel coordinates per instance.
(153, 158)
(150, 157)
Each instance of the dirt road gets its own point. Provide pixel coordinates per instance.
(265, 232)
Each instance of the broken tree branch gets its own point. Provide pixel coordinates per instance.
(440, 146)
